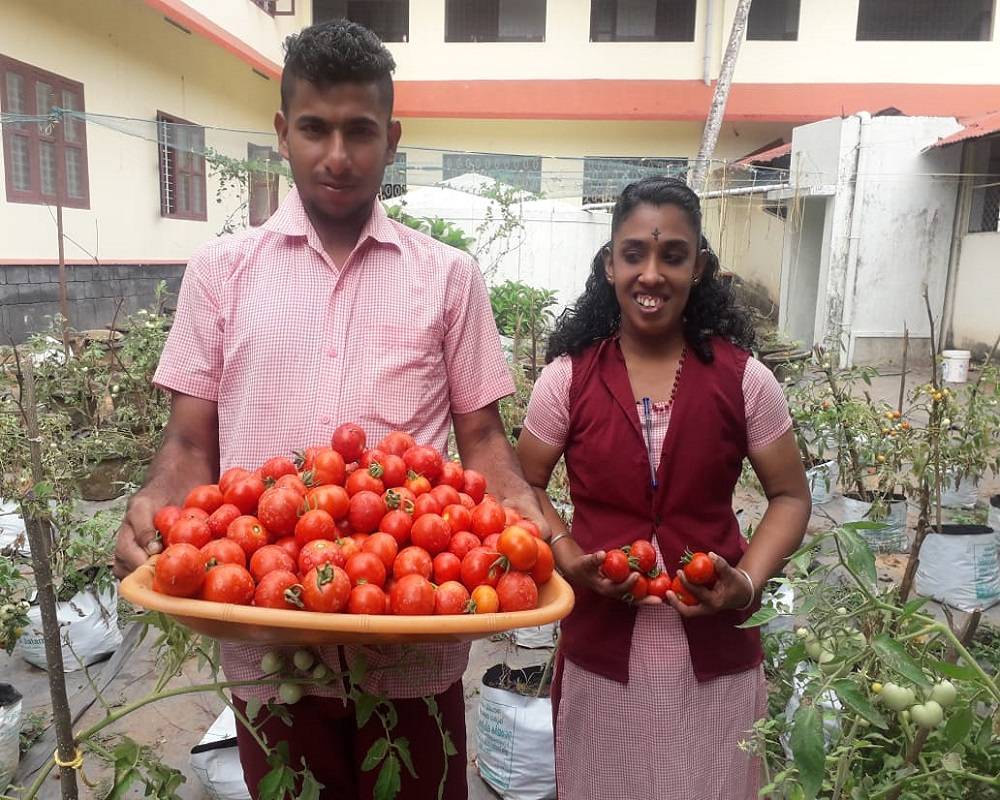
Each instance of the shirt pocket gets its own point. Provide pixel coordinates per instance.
(406, 370)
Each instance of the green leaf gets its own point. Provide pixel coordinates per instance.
(254, 705)
(388, 784)
(807, 748)
(402, 747)
(852, 697)
(958, 727)
(449, 745)
(123, 782)
(950, 670)
(391, 716)
(375, 754)
(952, 762)
(359, 669)
(985, 735)
(277, 784)
(914, 606)
(892, 654)
(364, 705)
(432, 705)
(310, 786)
(761, 617)
(858, 555)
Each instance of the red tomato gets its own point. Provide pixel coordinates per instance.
(248, 533)
(315, 524)
(431, 532)
(326, 588)
(230, 477)
(452, 475)
(426, 504)
(447, 567)
(659, 585)
(207, 497)
(223, 551)
(683, 594)
(276, 467)
(268, 559)
(699, 569)
(165, 518)
(366, 598)
(487, 518)
(399, 498)
(279, 589)
(307, 457)
(458, 517)
(384, 545)
(393, 470)
(190, 531)
(359, 538)
(396, 443)
(451, 598)
(278, 510)
(545, 564)
(320, 551)
(490, 542)
(228, 583)
(417, 484)
(424, 460)
(179, 571)
(348, 546)
(517, 592)
(481, 566)
(642, 553)
(466, 501)
(519, 547)
(485, 600)
(365, 480)
(474, 485)
(413, 561)
(194, 513)
(398, 525)
(366, 512)
(220, 519)
(245, 492)
(365, 568)
(616, 567)
(445, 495)
(348, 440)
(332, 499)
(640, 588)
(293, 482)
(412, 595)
(328, 468)
(290, 546)
(371, 456)
(462, 542)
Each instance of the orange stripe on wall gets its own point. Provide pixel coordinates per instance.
(79, 262)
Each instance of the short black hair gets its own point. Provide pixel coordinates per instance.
(338, 51)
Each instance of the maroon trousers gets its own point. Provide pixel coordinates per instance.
(324, 732)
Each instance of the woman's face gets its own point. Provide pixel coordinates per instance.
(655, 259)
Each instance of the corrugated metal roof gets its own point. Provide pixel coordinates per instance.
(975, 127)
(767, 156)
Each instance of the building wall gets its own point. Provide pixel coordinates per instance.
(976, 323)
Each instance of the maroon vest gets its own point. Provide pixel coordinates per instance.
(615, 503)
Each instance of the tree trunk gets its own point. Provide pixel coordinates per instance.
(699, 173)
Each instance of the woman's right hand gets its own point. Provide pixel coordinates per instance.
(584, 569)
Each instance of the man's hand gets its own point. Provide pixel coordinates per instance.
(526, 504)
(137, 538)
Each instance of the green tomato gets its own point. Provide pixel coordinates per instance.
(897, 697)
(944, 693)
(927, 715)
(827, 662)
(271, 663)
(303, 660)
(802, 633)
(904, 715)
(7, 610)
(290, 693)
(858, 640)
(321, 672)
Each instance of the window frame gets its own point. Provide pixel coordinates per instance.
(35, 136)
(786, 38)
(615, 38)
(861, 18)
(270, 7)
(265, 180)
(162, 167)
(448, 34)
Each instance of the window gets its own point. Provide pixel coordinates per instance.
(984, 213)
(276, 8)
(642, 20)
(523, 172)
(182, 168)
(263, 183)
(45, 163)
(394, 178)
(773, 20)
(604, 178)
(925, 20)
(388, 19)
(494, 21)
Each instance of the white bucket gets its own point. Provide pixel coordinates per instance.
(955, 366)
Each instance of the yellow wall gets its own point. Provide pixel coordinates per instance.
(974, 323)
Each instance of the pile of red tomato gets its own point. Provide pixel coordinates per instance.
(640, 558)
(393, 529)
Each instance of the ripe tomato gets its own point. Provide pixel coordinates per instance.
(412, 595)
(365, 568)
(279, 589)
(326, 588)
(517, 592)
(490, 542)
(164, 519)
(396, 443)
(485, 600)
(318, 552)
(248, 533)
(545, 564)
(519, 547)
(417, 484)
(413, 561)
(245, 492)
(462, 542)
(458, 517)
(640, 588)
(399, 498)
(659, 585)
(293, 482)
(278, 510)
(371, 456)
(366, 512)
(179, 571)
(398, 525)
(384, 545)
(268, 559)
(231, 477)
(228, 583)
(452, 475)
(616, 567)
(190, 531)
(304, 459)
(447, 567)
(359, 538)
(315, 524)
(431, 532)
(487, 518)
(367, 598)
(223, 551)
(328, 468)
(348, 440)
(466, 501)
(206, 496)
(451, 598)
(424, 460)
(276, 467)
(682, 593)
(426, 504)
(393, 470)
(332, 499)
(220, 519)
(290, 546)
(481, 566)
(365, 480)
(348, 546)
(194, 513)
(642, 552)
(698, 568)
(474, 485)
(445, 495)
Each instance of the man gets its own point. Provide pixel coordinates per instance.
(328, 313)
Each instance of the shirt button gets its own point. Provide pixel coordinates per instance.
(332, 352)
(324, 420)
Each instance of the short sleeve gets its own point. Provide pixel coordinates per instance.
(478, 373)
(191, 362)
(765, 404)
(547, 417)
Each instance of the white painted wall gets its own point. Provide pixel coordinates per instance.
(976, 320)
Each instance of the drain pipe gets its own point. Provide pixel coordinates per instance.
(854, 240)
(706, 69)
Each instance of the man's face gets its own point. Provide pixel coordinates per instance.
(338, 141)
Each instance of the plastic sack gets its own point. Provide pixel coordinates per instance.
(516, 755)
(961, 567)
(536, 637)
(88, 622)
(994, 518)
(822, 480)
(964, 494)
(13, 534)
(216, 761)
(892, 537)
(10, 733)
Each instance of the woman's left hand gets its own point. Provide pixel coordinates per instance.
(730, 590)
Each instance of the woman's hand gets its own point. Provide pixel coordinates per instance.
(584, 569)
(730, 590)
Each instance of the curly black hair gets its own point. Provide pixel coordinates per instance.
(711, 308)
(334, 52)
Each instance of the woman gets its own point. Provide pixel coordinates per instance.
(654, 401)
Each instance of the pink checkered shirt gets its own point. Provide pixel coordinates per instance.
(290, 345)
